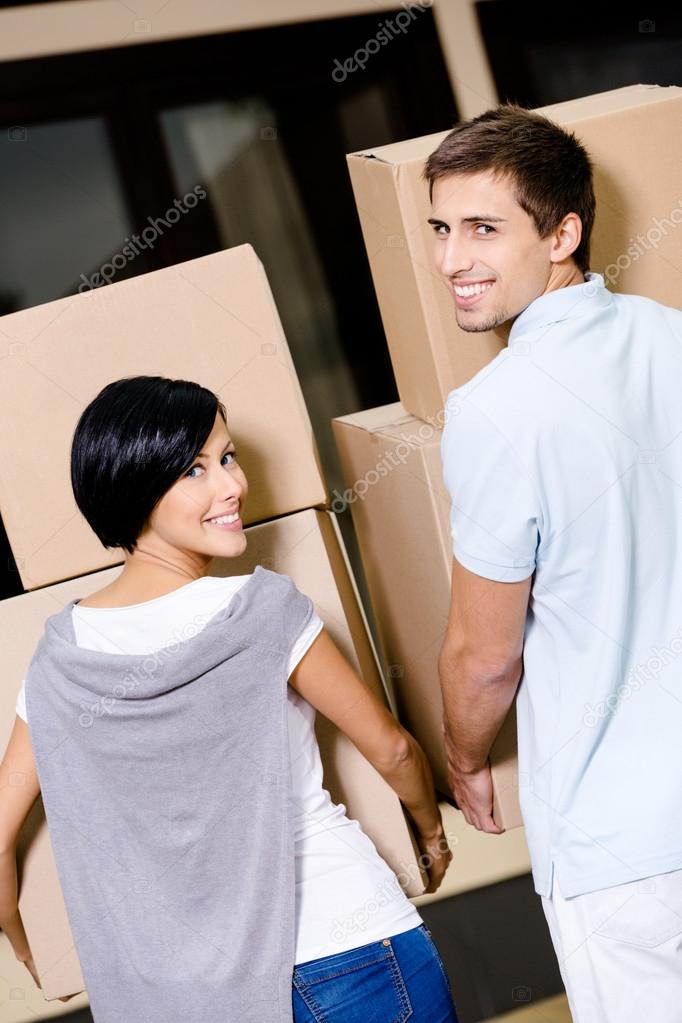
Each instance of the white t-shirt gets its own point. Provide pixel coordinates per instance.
(346, 895)
(563, 457)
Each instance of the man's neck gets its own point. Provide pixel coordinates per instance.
(560, 276)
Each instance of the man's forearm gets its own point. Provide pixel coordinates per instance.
(475, 704)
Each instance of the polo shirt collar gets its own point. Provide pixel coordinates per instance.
(565, 303)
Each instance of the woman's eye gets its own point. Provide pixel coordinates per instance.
(231, 454)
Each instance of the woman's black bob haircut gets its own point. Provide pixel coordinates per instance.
(131, 444)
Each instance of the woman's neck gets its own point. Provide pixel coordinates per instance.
(145, 576)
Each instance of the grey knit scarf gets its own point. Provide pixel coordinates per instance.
(166, 785)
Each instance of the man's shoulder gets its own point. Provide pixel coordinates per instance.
(645, 305)
(500, 391)
(478, 417)
(482, 382)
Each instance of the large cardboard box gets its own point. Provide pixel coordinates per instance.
(212, 320)
(306, 546)
(400, 510)
(634, 137)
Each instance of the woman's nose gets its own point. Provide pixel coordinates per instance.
(230, 486)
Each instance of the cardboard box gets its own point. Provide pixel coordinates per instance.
(401, 513)
(212, 320)
(634, 138)
(26, 1001)
(306, 546)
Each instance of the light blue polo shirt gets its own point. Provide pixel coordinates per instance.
(563, 457)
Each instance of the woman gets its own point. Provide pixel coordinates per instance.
(155, 472)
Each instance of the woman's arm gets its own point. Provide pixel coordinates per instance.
(326, 680)
(19, 790)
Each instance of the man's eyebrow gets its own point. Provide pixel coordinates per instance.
(203, 454)
(482, 216)
(470, 220)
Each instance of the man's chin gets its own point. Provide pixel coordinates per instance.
(473, 327)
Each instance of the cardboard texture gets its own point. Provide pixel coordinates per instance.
(26, 1001)
(479, 858)
(306, 546)
(401, 513)
(212, 320)
(633, 136)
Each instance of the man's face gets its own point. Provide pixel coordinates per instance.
(484, 239)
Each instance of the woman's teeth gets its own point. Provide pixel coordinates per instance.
(224, 519)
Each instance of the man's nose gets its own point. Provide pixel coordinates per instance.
(455, 259)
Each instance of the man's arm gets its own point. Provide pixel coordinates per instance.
(480, 665)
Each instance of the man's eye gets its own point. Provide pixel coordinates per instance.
(440, 227)
(487, 226)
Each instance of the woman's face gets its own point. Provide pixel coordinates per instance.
(213, 487)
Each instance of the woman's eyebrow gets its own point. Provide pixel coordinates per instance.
(203, 454)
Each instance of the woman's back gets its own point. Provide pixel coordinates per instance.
(346, 895)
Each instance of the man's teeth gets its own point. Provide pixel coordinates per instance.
(472, 289)
(225, 518)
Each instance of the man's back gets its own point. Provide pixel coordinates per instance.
(564, 457)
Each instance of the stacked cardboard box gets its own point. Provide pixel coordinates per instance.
(211, 320)
(391, 455)
(400, 510)
(634, 139)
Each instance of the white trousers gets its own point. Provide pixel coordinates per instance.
(620, 950)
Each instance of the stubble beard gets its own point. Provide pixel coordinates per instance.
(493, 320)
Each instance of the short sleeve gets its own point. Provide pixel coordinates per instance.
(21, 703)
(310, 632)
(495, 512)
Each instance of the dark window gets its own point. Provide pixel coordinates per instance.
(541, 54)
(96, 144)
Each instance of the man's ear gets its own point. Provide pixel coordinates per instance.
(566, 238)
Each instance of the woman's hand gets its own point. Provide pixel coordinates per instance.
(27, 960)
(436, 856)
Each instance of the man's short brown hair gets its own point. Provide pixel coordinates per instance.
(550, 170)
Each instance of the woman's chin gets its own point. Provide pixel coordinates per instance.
(228, 546)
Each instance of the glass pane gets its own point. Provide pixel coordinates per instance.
(63, 210)
(233, 149)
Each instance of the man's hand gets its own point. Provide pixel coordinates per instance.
(472, 790)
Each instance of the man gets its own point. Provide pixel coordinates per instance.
(563, 459)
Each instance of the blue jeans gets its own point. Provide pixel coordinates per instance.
(389, 981)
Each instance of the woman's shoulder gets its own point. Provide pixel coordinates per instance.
(120, 597)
